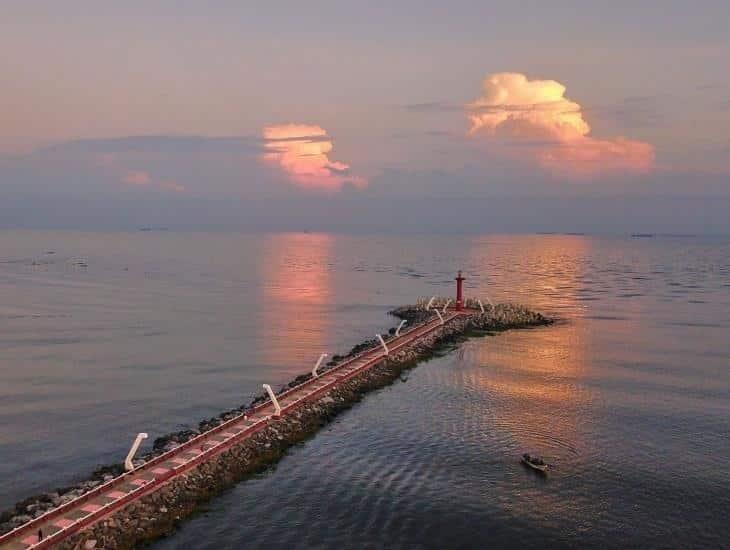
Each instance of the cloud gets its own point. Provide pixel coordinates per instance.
(432, 107)
(143, 179)
(136, 177)
(301, 151)
(287, 132)
(518, 110)
(633, 112)
(201, 166)
(587, 157)
(158, 144)
(172, 186)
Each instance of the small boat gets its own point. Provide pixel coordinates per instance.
(535, 462)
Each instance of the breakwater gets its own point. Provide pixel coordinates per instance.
(307, 405)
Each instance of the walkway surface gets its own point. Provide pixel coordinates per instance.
(84, 511)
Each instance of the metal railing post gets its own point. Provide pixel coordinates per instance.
(128, 465)
(273, 399)
(387, 351)
(319, 362)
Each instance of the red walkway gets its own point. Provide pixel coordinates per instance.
(84, 511)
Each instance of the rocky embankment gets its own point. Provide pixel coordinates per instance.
(494, 319)
(158, 513)
(37, 505)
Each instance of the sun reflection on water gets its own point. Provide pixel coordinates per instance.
(528, 372)
(296, 284)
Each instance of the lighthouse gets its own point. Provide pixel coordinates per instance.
(459, 292)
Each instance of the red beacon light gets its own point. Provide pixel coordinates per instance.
(459, 292)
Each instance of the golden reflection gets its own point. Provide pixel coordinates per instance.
(535, 386)
(535, 373)
(296, 286)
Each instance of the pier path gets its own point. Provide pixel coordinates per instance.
(58, 524)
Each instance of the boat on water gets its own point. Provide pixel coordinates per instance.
(535, 462)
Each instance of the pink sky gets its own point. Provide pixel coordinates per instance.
(409, 100)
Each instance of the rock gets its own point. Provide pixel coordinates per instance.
(170, 446)
(20, 520)
(90, 544)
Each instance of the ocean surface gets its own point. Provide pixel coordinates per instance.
(628, 395)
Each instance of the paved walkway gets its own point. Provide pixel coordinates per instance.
(58, 524)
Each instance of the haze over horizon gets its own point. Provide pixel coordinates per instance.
(415, 117)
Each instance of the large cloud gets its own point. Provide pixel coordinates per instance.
(140, 178)
(302, 152)
(538, 113)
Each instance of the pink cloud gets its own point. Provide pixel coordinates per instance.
(514, 108)
(137, 177)
(142, 178)
(302, 152)
(172, 186)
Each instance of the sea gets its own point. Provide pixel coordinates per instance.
(627, 395)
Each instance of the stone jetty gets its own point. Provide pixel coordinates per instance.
(156, 510)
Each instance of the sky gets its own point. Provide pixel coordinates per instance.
(607, 117)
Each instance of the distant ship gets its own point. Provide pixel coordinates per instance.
(642, 235)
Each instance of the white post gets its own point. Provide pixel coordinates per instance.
(481, 305)
(490, 301)
(137, 442)
(397, 331)
(387, 351)
(273, 399)
(319, 362)
(439, 314)
(446, 305)
(430, 303)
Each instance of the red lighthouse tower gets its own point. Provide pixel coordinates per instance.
(459, 292)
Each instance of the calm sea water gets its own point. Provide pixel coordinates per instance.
(104, 335)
